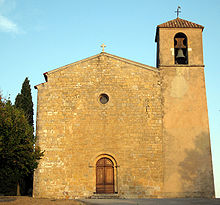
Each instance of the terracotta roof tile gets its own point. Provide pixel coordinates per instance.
(179, 23)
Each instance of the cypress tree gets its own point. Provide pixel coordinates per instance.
(24, 101)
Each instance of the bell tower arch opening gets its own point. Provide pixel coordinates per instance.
(180, 49)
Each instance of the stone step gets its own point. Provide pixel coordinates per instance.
(105, 196)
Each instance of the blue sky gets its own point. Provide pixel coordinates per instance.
(40, 35)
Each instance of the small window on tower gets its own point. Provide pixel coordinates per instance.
(180, 47)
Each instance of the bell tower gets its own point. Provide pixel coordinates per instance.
(179, 42)
(186, 139)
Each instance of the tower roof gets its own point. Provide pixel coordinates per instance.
(179, 23)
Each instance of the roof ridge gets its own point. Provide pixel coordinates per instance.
(105, 54)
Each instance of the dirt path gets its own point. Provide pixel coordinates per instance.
(24, 200)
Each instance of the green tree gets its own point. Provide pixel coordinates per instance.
(24, 101)
(18, 155)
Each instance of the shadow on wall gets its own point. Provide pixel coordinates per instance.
(196, 169)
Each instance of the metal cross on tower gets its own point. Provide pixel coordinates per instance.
(103, 47)
(178, 11)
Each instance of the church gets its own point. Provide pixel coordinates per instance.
(110, 126)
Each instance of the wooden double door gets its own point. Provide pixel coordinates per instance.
(104, 176)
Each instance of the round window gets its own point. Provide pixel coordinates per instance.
(103, 98)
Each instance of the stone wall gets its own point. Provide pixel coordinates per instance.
(75, 129)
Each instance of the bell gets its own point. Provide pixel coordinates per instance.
(180, 43)
(180, 54)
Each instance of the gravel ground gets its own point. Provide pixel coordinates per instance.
(24, 200)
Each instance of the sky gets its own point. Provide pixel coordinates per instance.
(40, 35)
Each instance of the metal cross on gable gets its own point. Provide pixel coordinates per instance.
(178, 11)
(103, 47)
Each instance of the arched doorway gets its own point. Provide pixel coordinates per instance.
(104, 176)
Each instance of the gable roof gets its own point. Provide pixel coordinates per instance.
(98, 55)
(179, 23)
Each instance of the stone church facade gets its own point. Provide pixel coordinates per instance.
(110, 125)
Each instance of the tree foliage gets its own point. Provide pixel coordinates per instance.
(24, 101)
(18, 155)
